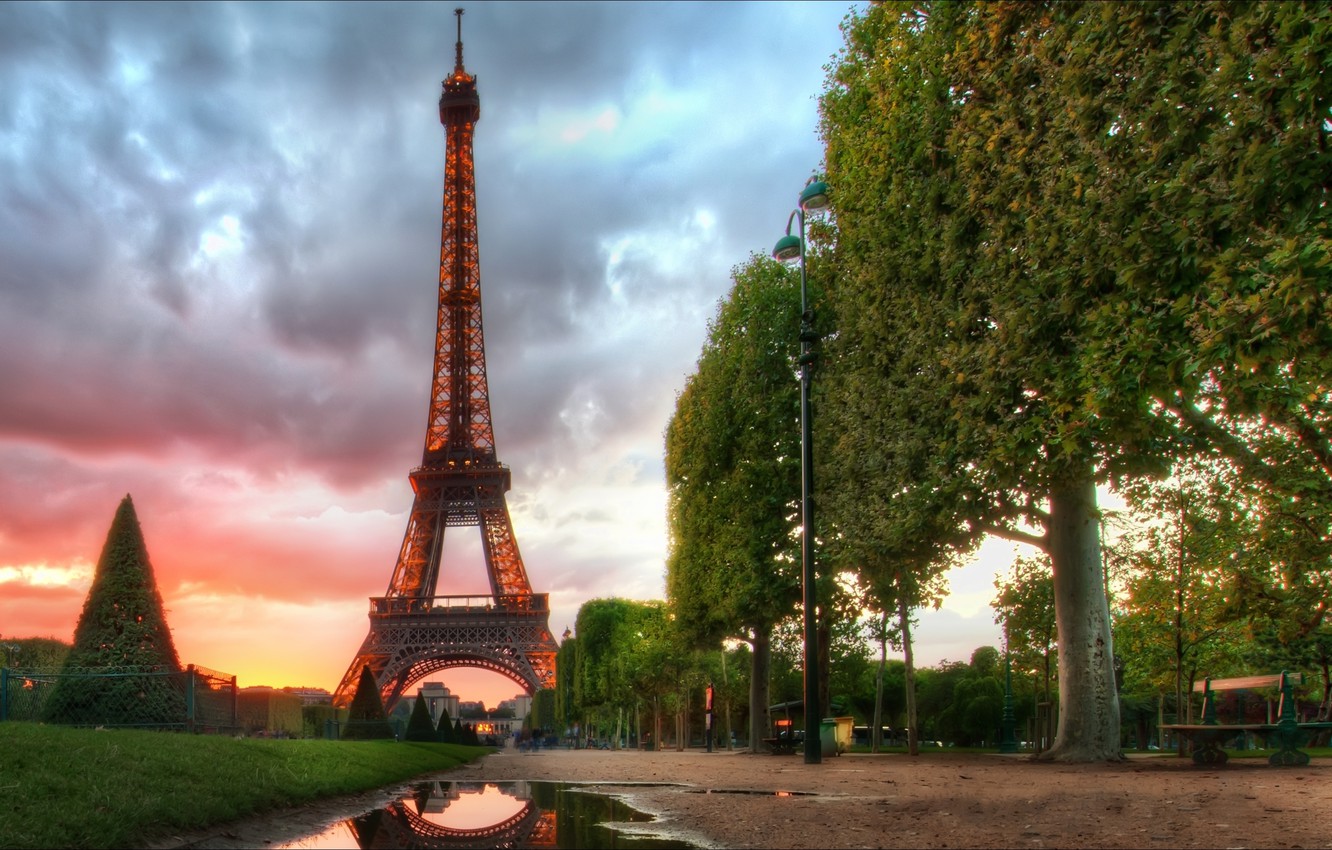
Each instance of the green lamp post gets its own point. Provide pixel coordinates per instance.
(813, 198)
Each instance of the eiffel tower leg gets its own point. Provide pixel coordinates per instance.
(342, 697)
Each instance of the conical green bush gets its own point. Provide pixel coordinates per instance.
(122, 630)
(366, 718)
(444, 731)
(420, 726)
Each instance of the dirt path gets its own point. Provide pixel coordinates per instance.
(947, 800)
(938, 800)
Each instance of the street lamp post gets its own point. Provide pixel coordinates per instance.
(813, 198)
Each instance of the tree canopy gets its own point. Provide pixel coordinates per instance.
(1075, 242)
(733, 474)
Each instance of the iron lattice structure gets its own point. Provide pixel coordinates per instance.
(460, 481)
(399, 824)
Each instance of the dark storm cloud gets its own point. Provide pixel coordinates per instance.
(219, 231)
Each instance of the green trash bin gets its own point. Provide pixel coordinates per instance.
(828, 736)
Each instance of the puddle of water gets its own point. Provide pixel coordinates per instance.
(758, 793)
(492, 814)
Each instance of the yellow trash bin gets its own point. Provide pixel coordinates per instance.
(842, 730)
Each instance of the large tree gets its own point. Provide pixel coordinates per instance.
(733, 476)
(1074, 242)
(122, 630)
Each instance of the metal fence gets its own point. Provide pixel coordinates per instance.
(195, 699)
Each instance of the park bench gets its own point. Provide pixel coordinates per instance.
(782, 746)
(786, 740)
(1286, 736)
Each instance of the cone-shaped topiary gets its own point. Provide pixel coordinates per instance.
(366, 718)
(469, 735)
(122, 629)
(420, 726)
(444, 731)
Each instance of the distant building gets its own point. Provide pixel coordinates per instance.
(439, 699)
(521, 705)
(311, 696)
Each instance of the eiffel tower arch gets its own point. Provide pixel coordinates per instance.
(460, 482)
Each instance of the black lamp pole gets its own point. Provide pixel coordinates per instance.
(813, 198)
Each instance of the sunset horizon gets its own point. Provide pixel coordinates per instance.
(221, 236)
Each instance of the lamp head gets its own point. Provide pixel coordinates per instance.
(814, 197)
(787, 248)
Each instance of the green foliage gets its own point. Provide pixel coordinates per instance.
(543, 709)
(627, 651)
(1075, 242)
(34, 653)
(122, 629)
(733, 476)
(269, 712)
(366, 719)
(1185, 539)
(315, 720)
(937, 422)
(420, 726)
(733, 464)
(1025, 608)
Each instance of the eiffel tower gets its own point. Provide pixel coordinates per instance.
(460, 481)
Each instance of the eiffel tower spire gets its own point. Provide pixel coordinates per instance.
(460, 482)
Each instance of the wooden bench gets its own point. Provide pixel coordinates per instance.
(782, 746)
(787, 739)
(1286, 736)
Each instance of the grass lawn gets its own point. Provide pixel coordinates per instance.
(63, 787)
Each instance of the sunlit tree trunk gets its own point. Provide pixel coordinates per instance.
(1089, 704)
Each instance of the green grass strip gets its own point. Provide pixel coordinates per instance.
(63, 787)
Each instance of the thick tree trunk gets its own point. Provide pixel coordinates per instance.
(825, 663)
(904, 621)
(726, 702)
(1089, 704)
(759, 699)
(876, 731)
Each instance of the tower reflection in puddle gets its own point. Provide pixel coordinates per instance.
(490, 814)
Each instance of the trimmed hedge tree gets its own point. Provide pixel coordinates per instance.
(420, 726)
(366, 719)
(444, 731)
(121, 630)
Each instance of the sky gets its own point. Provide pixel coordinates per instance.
(219, 241)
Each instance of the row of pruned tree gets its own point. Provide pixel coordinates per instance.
(1072, 246)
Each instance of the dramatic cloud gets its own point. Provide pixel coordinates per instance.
(219, 231)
